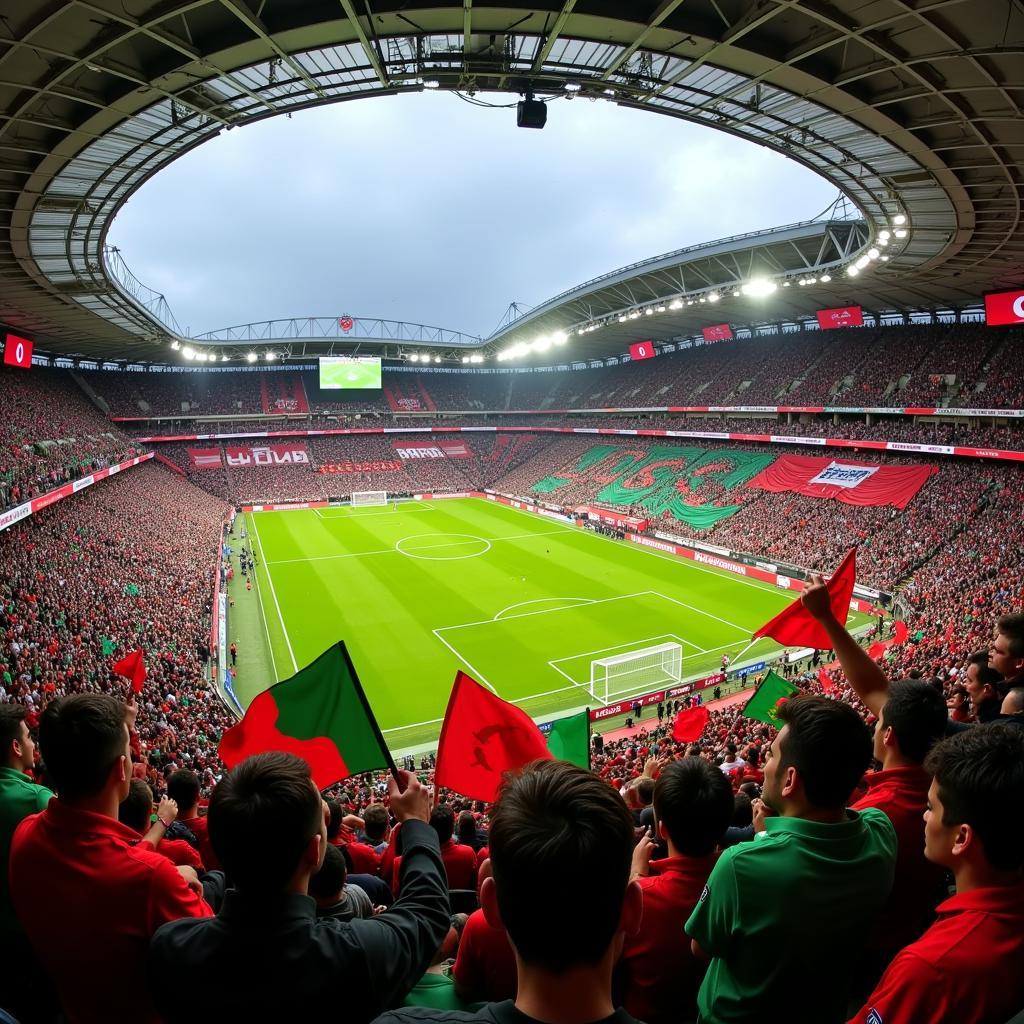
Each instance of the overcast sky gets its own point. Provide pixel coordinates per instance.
(428, 209)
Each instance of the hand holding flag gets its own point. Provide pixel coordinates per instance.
(132, 667)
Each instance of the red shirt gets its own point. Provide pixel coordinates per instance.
(178, 852)
(660, 974)
(902, 795)
(201, 832)
(965, 968)
(481, 855)
(459, 865)
(485, 966)
(90, 897)
(365, 860)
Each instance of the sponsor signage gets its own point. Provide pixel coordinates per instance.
(268, 455)
(841, 316)
(717, 332)
(1004, 308)
(838, 474)
(642, 350)
(18, 351)
(15, 515)
(624, 706)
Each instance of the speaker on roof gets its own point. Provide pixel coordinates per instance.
(531, 113)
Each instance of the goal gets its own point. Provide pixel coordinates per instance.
(369, 498)
(635, 671)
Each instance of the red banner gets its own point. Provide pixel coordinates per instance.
(374, 466)
(851, 483)
(269, 455)
(717, 332)
(205, 458)
(842, 316)
(282, 393)
(432, 449)
(642, 350)
(18, 351)
(1004, 308)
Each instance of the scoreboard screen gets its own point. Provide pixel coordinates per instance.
(349, 373)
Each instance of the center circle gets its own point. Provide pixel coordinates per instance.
(453, 546)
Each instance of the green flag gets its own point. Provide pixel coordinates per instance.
(763, 705)
(107, 645)
(131, 589)
(320, 714)
(569, 739)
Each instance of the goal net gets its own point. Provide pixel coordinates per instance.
(369, 498)
(635, 671)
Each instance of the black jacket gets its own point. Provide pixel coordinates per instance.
(260, 960)
(489, 1013)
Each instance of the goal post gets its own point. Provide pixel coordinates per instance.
(636, 671)
(360, 498)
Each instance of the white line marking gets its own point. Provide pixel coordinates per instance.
(577, 601)
(629, 643)
(467, 538)
(477, 674)
(542, 611)
(345, 511)
(273, 593)
(725, 622)
(263, 613)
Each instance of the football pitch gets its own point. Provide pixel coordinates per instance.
(520, 602)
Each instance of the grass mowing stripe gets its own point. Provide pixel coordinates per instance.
(263, 611)
(273, 594)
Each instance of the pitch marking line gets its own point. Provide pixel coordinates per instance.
(273, 593)
(542, 611)
(263, 615)
(577, 601)
(477, 674)
(346, 512)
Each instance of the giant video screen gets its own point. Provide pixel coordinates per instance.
(349, 373)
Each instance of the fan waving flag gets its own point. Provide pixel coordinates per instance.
(483, 737)
(690, 724)
(320, 714)
(796, 626)
(132, 667)
(569, 739)
(764, 704)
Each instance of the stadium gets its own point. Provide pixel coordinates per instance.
(691, 532)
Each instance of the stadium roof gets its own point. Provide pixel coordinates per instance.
(911, 107)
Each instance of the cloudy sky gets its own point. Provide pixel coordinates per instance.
(428, 209)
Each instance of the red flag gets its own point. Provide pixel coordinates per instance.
(828, 684)
(131, 667)
(899, 633)
(690, 724)
(795, 626)
(483, 737)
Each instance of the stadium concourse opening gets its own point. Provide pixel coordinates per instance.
(657, 657)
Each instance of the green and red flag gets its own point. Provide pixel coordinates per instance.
(569, 739)
(795, 625)
(321, 715)
(132, 667)
(482, 738)
(764, 703)
(690, 724)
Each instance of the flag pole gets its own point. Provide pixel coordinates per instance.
(747, 648)
(369, 714)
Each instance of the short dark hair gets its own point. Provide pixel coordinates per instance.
(560, 837)
(829, 745)
(693, 800)
(11, 717)
(980, 775)
(645, 790)
(442, 821)
(742, 810)
(466, 825)
(375, 822)
(262, 815)
(137, 807)
(987, 675)
(80, 737)
(335, 818)
(183, 788)
(1012, 627)
(330, 879)
(917, 714)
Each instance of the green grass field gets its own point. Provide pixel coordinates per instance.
(522, 603)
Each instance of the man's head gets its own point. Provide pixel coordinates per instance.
(818, 756)
(1006, 654)
(981, 679)
(375, 823)
(85, 743)
(267, 823)
(466, 827)
(978, 776)
(183, 789)
(137, 807)
(18, 747)
(561, 837)
(693, 802)
(1013, 702)
(912, 721)
(442, 821)
(644, 791)
(327, 884)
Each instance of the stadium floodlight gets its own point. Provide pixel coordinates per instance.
(862, 262)
(873, 253)
(899, 219)
(224, 359)
(759, 287)
(623, 318)
(713, 297)
(559, 337)
(786, 284)
(188, 352)
(251, 357)
(883, 237)
(414, 357)
(885, 259)
(270, 356)
(608, 92)
(852, 270)
(635, 315)
(825, 278)
(661, 309)
(572, 87)
(736, 293)
(648, 312)
(801, 282)
(703, 299)
(465, 359)
(437, 359)
(430, 83)
(675, 304)
(901, 233)
(176, 345)
(476, 359)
